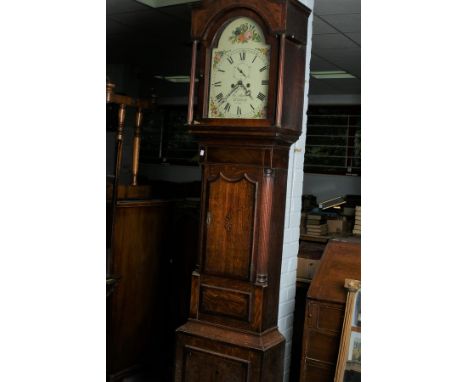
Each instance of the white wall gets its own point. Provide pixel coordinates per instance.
(329, 186)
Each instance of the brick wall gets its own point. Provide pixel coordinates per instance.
(292, 221)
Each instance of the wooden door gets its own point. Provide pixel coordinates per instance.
(230, 226)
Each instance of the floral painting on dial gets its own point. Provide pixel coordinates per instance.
(217, 58)
(244, 33)
(264, 51)
(215, 112)
(261, 114)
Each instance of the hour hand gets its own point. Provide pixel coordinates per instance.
(241, 72)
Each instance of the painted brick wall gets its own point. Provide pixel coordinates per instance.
(292, 221)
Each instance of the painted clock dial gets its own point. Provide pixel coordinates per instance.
(240, 68)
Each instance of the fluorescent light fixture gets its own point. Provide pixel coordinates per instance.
(176, 79)
(164, 3)
(331, 74)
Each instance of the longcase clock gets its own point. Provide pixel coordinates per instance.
(249, 59)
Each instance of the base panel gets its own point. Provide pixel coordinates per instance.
(206, 352)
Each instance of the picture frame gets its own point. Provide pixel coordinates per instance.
(348, 367)
(354, 350)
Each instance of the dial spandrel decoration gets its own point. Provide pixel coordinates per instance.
(240, 68)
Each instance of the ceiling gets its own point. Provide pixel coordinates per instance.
(159, 39)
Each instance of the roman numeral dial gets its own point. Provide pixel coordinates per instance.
(239, 81)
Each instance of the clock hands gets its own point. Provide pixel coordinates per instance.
(241, 72)
(234, 88)
(247, 92)
(231, 92)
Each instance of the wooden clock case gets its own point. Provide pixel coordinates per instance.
(232, 332)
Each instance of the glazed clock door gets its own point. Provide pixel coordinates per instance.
(240, 67)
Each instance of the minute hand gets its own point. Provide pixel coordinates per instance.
(229, 94)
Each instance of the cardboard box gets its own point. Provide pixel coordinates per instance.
(339, 226)
(306, 268)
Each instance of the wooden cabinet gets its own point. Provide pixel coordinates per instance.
(326, 301)
(138, 263)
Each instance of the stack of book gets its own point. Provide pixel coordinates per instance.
(357, 221)
(316, 226)
(303, 223)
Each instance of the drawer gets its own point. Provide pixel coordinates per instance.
(325, 317)
(322, 346)
(317, 372)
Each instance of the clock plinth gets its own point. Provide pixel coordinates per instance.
(245, 129)
(208, 353)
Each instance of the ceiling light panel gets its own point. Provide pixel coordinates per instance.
(331, 74)
(175, 79)
(165, 3)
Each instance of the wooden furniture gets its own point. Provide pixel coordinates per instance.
(123, 103)
(326, 300)
(298, 329)
(138, 261)
(137, 232)
(174, 304)
(164, 236)
(308, 258)
(232, 332)
(310, 253)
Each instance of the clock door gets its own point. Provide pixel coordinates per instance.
(229, 226)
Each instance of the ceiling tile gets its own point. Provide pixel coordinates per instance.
(347, 59)
(345, 23)
(113, 27)
(355, 36)
(119, 6)
(316, 63)
(179, 12)
(155, 25)
(319, 27)
(333, 7)
(137, 33)
(332, 41)
(145, 18)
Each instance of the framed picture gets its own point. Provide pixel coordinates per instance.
(357, 310)
(354, 350)
(348, 366)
